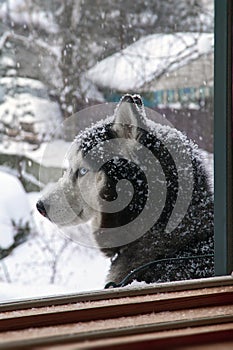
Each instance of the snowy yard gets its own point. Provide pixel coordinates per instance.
(48, 263)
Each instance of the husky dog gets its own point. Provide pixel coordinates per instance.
(144, 187)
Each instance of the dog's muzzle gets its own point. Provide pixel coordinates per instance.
(41, 208)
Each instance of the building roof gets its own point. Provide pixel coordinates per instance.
(151, 58)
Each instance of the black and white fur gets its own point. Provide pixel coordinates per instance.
(193, 235)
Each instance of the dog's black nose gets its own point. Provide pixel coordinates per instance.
(41, 208)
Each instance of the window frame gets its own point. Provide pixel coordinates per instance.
(223, 138)
(180, 313)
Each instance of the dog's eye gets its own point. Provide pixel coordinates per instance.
(80, 172)
(83, 171)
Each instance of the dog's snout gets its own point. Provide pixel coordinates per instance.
(41, 208)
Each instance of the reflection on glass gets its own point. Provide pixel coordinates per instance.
(55, 61)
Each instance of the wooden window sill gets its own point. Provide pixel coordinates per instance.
(177, 314)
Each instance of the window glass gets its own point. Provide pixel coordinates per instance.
(60, 62)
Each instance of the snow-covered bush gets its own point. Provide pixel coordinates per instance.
(15, 218)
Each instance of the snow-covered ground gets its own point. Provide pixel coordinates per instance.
(48, 263)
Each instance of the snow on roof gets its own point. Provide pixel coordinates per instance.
(49, 154)
(149, 58)
(22, 83)
(26, 100)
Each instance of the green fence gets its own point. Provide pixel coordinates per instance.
(183, 96)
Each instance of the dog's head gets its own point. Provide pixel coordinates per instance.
(123, 177)
(100, 159)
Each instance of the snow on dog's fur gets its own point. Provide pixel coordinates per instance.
(164, 209)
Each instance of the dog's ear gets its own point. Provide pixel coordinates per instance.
(129, 116)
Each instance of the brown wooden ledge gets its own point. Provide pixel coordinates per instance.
(173, 315)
